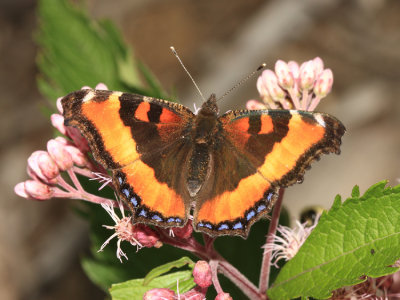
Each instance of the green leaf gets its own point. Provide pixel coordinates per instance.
(75, 51)
(103, 274)
(135, 289)
(355, 192)
(166, 268)
(360, 237)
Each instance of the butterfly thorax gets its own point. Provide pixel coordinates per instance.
(204, 131)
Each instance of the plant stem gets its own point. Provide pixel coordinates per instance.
(273, 225)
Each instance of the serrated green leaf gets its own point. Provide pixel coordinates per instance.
(166, 268)
(134, 289)
(75, 51)
(356, 191)
(361, 237)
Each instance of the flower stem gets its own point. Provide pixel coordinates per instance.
(273, 225)
(214, 272)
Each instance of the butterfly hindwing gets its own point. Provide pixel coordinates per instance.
(259, 152)
(131, 135)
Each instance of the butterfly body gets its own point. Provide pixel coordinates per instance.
(169, 163)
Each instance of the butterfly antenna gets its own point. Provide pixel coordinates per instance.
(187, 72)
(259, 68)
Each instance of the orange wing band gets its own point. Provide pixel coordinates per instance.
(117, 138)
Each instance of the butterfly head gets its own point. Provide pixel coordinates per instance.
(209, 107)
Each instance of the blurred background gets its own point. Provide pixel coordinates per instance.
(219, 41)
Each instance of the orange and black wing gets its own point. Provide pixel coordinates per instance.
(141, 139)
(259, 152)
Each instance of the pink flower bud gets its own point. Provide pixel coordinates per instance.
(57, 121)
(262, 89)
(37, 190)
(318, 66)
(285, 78)
(33, 166)
(59, 105)
(62, 140)
(270, 81)
(294, 69)
(48, 167)
(146, 236)
(254, 105)
(86, 87)
(19, 189)
(78, 139)
(223, 296)
(58, 153)
(324, 83)
(101, 86)
(196, 293)
(307, 75)
(158, 294)
(202, 274)
(78, 157)
(184, 232)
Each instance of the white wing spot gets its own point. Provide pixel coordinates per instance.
(88, 96)
(320, 120)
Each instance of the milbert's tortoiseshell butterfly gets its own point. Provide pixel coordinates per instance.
(168, 163)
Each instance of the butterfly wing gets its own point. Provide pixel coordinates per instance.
(259, 152)
(138, 138)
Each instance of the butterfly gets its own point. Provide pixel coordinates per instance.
(169, 164)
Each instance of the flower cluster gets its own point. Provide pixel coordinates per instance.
(292, 86)
(202, 276)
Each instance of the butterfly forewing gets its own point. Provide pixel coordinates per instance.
(142, 140)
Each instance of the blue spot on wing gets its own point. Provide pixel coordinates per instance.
(178, 220)
(238, 225)
(223, 227)
(169, 220)
(120, 180)
(134, 201)
(250, 215)
(207, 225)
(261, 208)
(143, 213)
(269, 196)
(157, 218)
(126, 192)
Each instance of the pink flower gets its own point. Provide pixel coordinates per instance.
(291, 86)
(138, 235)
(59, 154)
(223, 296)
(42, 167)
(202, 274)
(287, 246)
(196, 293)
(159, 294)
(34, 189)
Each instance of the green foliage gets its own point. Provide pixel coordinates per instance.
(166, 268)
(360, 237)
(135, 289)
(75, 51)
